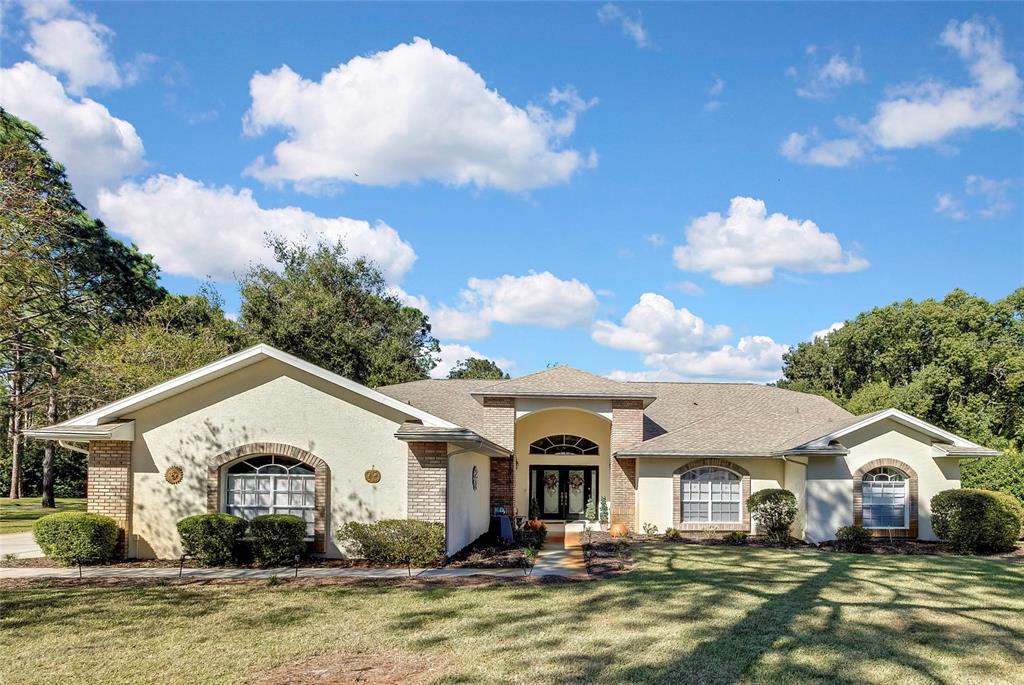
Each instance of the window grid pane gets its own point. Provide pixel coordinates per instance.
(711, 494)
(252, 495)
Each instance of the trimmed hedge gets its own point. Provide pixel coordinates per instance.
(277, 538)
(852, 539)
(213, 539)
(1002, 474)
(70, 537)
(977, 521)
(775, 509)
(395, 541)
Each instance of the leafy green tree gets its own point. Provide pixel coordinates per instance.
(957, 363)
(474, 367)
(62, 279)
(336, 313)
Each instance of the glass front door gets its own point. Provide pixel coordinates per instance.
(562, 492)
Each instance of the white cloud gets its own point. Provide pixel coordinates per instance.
(931, 111)
(716, 89)
(687, 288)
(983, 197)
(413, 112)
(835, 326)
(537, 299)
(632, 27)
(655, 325)
(811, 149)
(453, 354)
(96, 148)
(821, 80)
(656, 239)
(746, 246)
(756, 359)
(198, 230)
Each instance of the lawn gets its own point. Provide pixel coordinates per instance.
(17, 515)
(687, 614)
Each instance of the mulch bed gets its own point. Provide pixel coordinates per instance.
(608, 557)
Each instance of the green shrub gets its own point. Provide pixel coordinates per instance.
(70, 537)
(1002, 474)
(977, 521)
(212, 539)
(530, 537)
(775, 510)
(737, 537)
(277, 538)
(650, 529)
(673, 534)
(852, 539)
(395, 541)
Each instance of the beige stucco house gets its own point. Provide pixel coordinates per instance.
(262, 431)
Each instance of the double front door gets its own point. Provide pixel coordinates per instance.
(562, 492)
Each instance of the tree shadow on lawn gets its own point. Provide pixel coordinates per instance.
(716, 615)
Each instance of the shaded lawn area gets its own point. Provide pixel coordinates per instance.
(687, 614)
(18, 515)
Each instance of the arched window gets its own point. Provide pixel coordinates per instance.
(563, 444)
(884, 492)
(711, 495)
(271, 485)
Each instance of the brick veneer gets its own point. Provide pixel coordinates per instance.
(499, 426)
(321, 480)
(109, 485)
(428, 481)
(627, 431)
(858, 498)
(677, 494)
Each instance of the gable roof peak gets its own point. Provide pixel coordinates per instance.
(562, 381)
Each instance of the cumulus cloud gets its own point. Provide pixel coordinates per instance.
(823, 333)
(206, 231)
(983, 197)
(536, 299)
(928, 112)
(453, 354)
(655, 325)
(411, 113)
(687, 288)
(96, 148)
(632, 27)
(755, 359)
(746, 246)
(821, 79)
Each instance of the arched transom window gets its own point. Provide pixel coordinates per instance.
(563, 444)
(711, 495)
(884, 492)
(271, 485)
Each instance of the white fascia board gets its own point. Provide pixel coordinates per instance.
(237, 361)
(900, 417)
(85, 433)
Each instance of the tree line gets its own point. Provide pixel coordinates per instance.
(84, 320)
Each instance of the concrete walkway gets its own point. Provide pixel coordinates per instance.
(21, 545)
(562, 554)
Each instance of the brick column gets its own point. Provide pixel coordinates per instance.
(627, 431)
(428, 481)
(109, 485)
(499, 427)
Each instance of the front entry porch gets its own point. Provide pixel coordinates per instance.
(562, 492)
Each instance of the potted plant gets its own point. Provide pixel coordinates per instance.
(534, 522)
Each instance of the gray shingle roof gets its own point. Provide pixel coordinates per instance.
(686, 418)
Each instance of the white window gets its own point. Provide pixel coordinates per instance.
(884, 498)
(711, 495)
(271, 485)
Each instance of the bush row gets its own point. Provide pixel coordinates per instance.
(223, 539)
(394, 542)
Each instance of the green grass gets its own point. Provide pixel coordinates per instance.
(687, 614)
(18, 515)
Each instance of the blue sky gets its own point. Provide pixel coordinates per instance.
(647, 191)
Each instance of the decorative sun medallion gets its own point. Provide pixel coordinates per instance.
(476, 477)
(372, 476)
(174, 474)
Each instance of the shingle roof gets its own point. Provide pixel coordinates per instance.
(562, 381)
(704, 418)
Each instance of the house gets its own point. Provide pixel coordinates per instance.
(262, 431)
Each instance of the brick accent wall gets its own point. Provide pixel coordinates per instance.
(627, 431)
(499, 426)
(428, 481)
(677, 492)
(109, 485)
(321, 480)
(858, 498)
